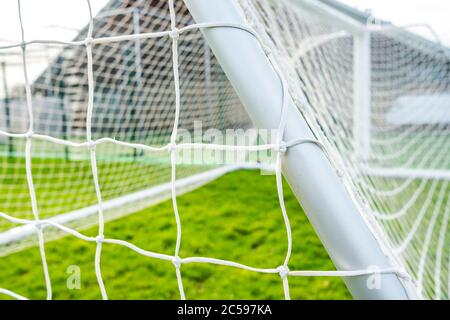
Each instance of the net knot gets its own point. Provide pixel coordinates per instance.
(88, 41)
(171, 147)
(29, 134)
(267, 51)
(176, 262)
(174, 33)
(90, 145)
(38, 224)
(402, 273)
(282, 147)
(100, 238)
(283, 271)
(23, 45)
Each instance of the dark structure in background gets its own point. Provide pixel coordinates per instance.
(134, 89)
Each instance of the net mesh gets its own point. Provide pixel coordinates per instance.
(106, 113)
(133, 100)
(400, 172)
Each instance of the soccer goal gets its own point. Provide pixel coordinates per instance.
(153, 99)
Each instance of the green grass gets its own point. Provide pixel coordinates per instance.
(62, 186)
(236, 217)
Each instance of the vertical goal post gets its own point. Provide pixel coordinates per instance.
(345, 233)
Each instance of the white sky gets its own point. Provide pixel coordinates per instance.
(43, 19)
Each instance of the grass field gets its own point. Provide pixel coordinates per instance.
(236, 217)
(62, 185)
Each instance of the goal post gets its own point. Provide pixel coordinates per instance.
(344, 232)
(153, 99)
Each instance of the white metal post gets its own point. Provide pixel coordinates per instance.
(340, 226)
(361, 94)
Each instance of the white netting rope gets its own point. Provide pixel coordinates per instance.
(29, 173)
(400, 182)
(281, 147)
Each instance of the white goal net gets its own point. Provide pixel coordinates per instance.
(105, 124)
